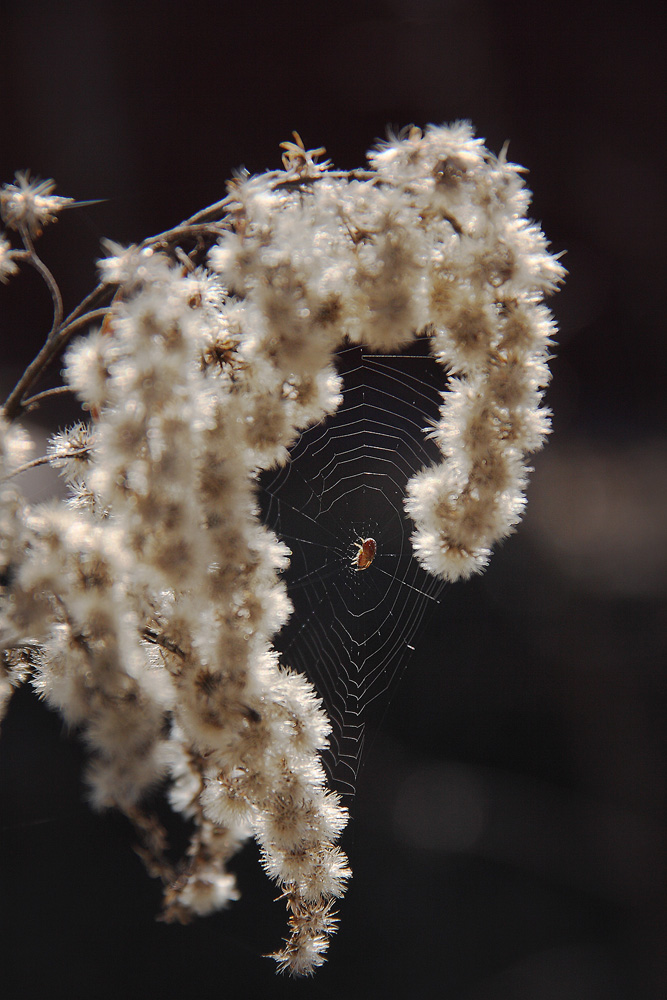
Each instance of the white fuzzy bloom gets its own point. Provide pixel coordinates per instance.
(207, 892)
(124, 265)
(69, 451)
(150, 601)
(15, 447)
(8, 265)
(30, 204)
(86, 371)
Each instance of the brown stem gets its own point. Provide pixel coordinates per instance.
(35, 261)
(153, 844)
(34, 401)
(186, 230)
(54, 343)
(46, 460)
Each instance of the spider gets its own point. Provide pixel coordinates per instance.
(365, 553)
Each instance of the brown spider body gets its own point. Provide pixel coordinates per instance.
(365, 553)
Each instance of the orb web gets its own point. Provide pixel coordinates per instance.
(352, 632)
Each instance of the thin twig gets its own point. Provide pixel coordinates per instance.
(204, 213)
(70, 326)
(34, 401)
(47, 460)
(186, 229)
(35, 261)
(90, 298)
(53, 344)
(153, 849)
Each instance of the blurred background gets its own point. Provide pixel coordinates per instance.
(508, 838)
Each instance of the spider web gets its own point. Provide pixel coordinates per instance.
(353, 631)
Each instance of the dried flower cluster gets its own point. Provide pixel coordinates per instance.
(144, 607)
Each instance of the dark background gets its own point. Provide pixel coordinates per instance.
(508, 838)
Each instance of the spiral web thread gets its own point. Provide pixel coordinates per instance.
(352, 632)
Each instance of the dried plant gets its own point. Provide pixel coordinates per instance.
(143, 608)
